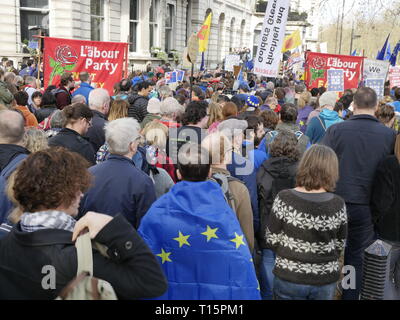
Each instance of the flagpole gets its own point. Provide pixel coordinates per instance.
(191, 82)
(341, 30)
(40, 56)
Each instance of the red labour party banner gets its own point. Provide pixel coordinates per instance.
(317, 65)
(104, 61)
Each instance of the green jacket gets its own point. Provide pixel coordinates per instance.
(6, 97)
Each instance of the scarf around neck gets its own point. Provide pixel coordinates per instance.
(31, 222)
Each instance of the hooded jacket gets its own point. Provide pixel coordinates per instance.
(138, 107)
(275, 175)
(318, 125)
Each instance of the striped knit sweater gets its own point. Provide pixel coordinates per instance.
(307, 237)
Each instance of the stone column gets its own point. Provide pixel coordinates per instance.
(9, 28)
(144, 28)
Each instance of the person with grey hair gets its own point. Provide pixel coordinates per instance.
(30, 88)
(165, 92)
(270, 86)
(12, 153)
(170, 111)
(19, 82)
(57, 122)
(78, 99)
(99, 103)
(120, 187)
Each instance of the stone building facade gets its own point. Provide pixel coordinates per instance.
(145, 24)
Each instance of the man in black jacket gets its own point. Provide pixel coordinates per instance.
(360, 144)
(99, 103)
(11, 154)
(138, 102)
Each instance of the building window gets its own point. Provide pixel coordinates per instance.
(133, 24)
(231, 36)
(33, 13)
(169, 27)
(97, 19)
(153, 23)
(257, 38)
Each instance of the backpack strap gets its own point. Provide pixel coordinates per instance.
(223, 180)
(322, 123)
(8, 169)
(84, 254)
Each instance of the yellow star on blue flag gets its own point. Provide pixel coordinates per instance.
(238, 240)
(182, 240)
(164, 256)
(210, 233)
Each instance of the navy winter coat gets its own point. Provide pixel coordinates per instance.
(360, 144)
(119, 187)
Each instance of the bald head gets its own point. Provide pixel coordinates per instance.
(11, 127)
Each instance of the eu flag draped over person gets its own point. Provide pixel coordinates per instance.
(200, 245)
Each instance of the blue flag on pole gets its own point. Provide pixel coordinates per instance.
(388, 53)
(383, 52)
(354, 53)
(198, 241)
(393, 57)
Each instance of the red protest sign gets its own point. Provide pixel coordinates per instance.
(104, 61)
(317, 65)
(394, 76)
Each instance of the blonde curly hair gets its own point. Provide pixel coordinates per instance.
(35, 140)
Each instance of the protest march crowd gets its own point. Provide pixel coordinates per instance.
(194, 192)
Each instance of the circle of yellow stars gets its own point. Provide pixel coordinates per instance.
(210, 233)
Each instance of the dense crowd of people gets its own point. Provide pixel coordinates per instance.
(197, 190)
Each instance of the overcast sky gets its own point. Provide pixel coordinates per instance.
(331, 9)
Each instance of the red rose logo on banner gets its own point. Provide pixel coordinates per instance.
(317, 65)
(66, 55)
(104, 61)
(65, 60)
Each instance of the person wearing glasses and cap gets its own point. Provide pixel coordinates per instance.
(78, 120)
(119, 187)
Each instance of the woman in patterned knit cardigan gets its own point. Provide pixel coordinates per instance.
(307, 230)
